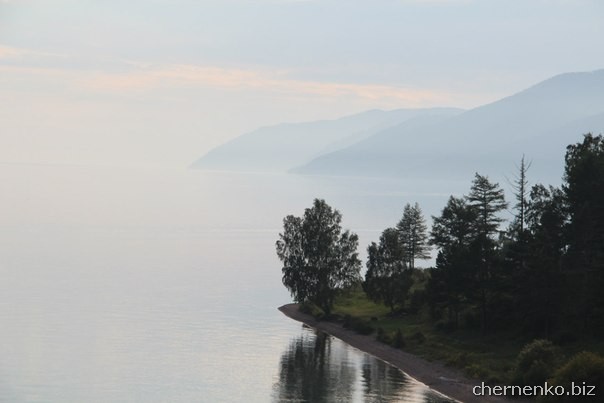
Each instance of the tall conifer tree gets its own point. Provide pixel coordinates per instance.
(413, 234)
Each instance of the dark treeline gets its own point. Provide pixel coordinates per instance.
(536, 281)
(542, 274)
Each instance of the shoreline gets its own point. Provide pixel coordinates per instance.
(445, 380)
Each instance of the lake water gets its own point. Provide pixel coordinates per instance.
(126, 285)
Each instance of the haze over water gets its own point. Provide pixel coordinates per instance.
(155, 285)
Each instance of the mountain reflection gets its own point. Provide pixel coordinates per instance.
(318, 368)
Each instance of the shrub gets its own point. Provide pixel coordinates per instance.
(460, 360)
(477, 371)
(363, 327)
(536, 363)
(418, 337)
(382, 336)
(584, 367)
(398, 341)
(305, 307)
(358, 325)
(311, 309)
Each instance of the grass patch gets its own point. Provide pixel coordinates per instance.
(490, 358)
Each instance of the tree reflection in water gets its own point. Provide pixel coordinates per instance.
(381, 382)
(311, 372)
(317, 368)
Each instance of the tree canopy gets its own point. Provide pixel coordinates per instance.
(488, 200)
(388, 278)
(318, 258)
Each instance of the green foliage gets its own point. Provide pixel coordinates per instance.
(477, 371)
(585, 368)
(311, 309)
(536, 362)
(387, 279)
(493, 355)
(356, 303)
(318, 258)
(394, 339)
(359, 325)
(459, 360)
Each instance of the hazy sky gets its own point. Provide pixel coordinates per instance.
(160, 82)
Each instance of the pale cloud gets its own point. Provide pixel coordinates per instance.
(7, 52)
(13, 53)
(135, 77)
(178, 76)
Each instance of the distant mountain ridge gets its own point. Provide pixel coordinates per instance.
(539, 122)
(440, 142)
(281, 147)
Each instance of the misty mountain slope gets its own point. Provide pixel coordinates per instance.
(541, 120)
(281, 147)
(355, 153)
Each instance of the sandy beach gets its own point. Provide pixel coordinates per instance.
(445, 380)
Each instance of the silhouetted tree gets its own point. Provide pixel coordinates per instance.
(413, 234)
(487, 199)
(387, 279)
(518, 237)
(453, 233)
(521, 193)
(541, 284)
(584, 191)
(456, 225)
(318, 258)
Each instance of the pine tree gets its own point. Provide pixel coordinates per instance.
(413, 234)
(487, 200)
(517, 247)
(521, 193)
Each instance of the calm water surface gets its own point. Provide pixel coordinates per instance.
(123, 285)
